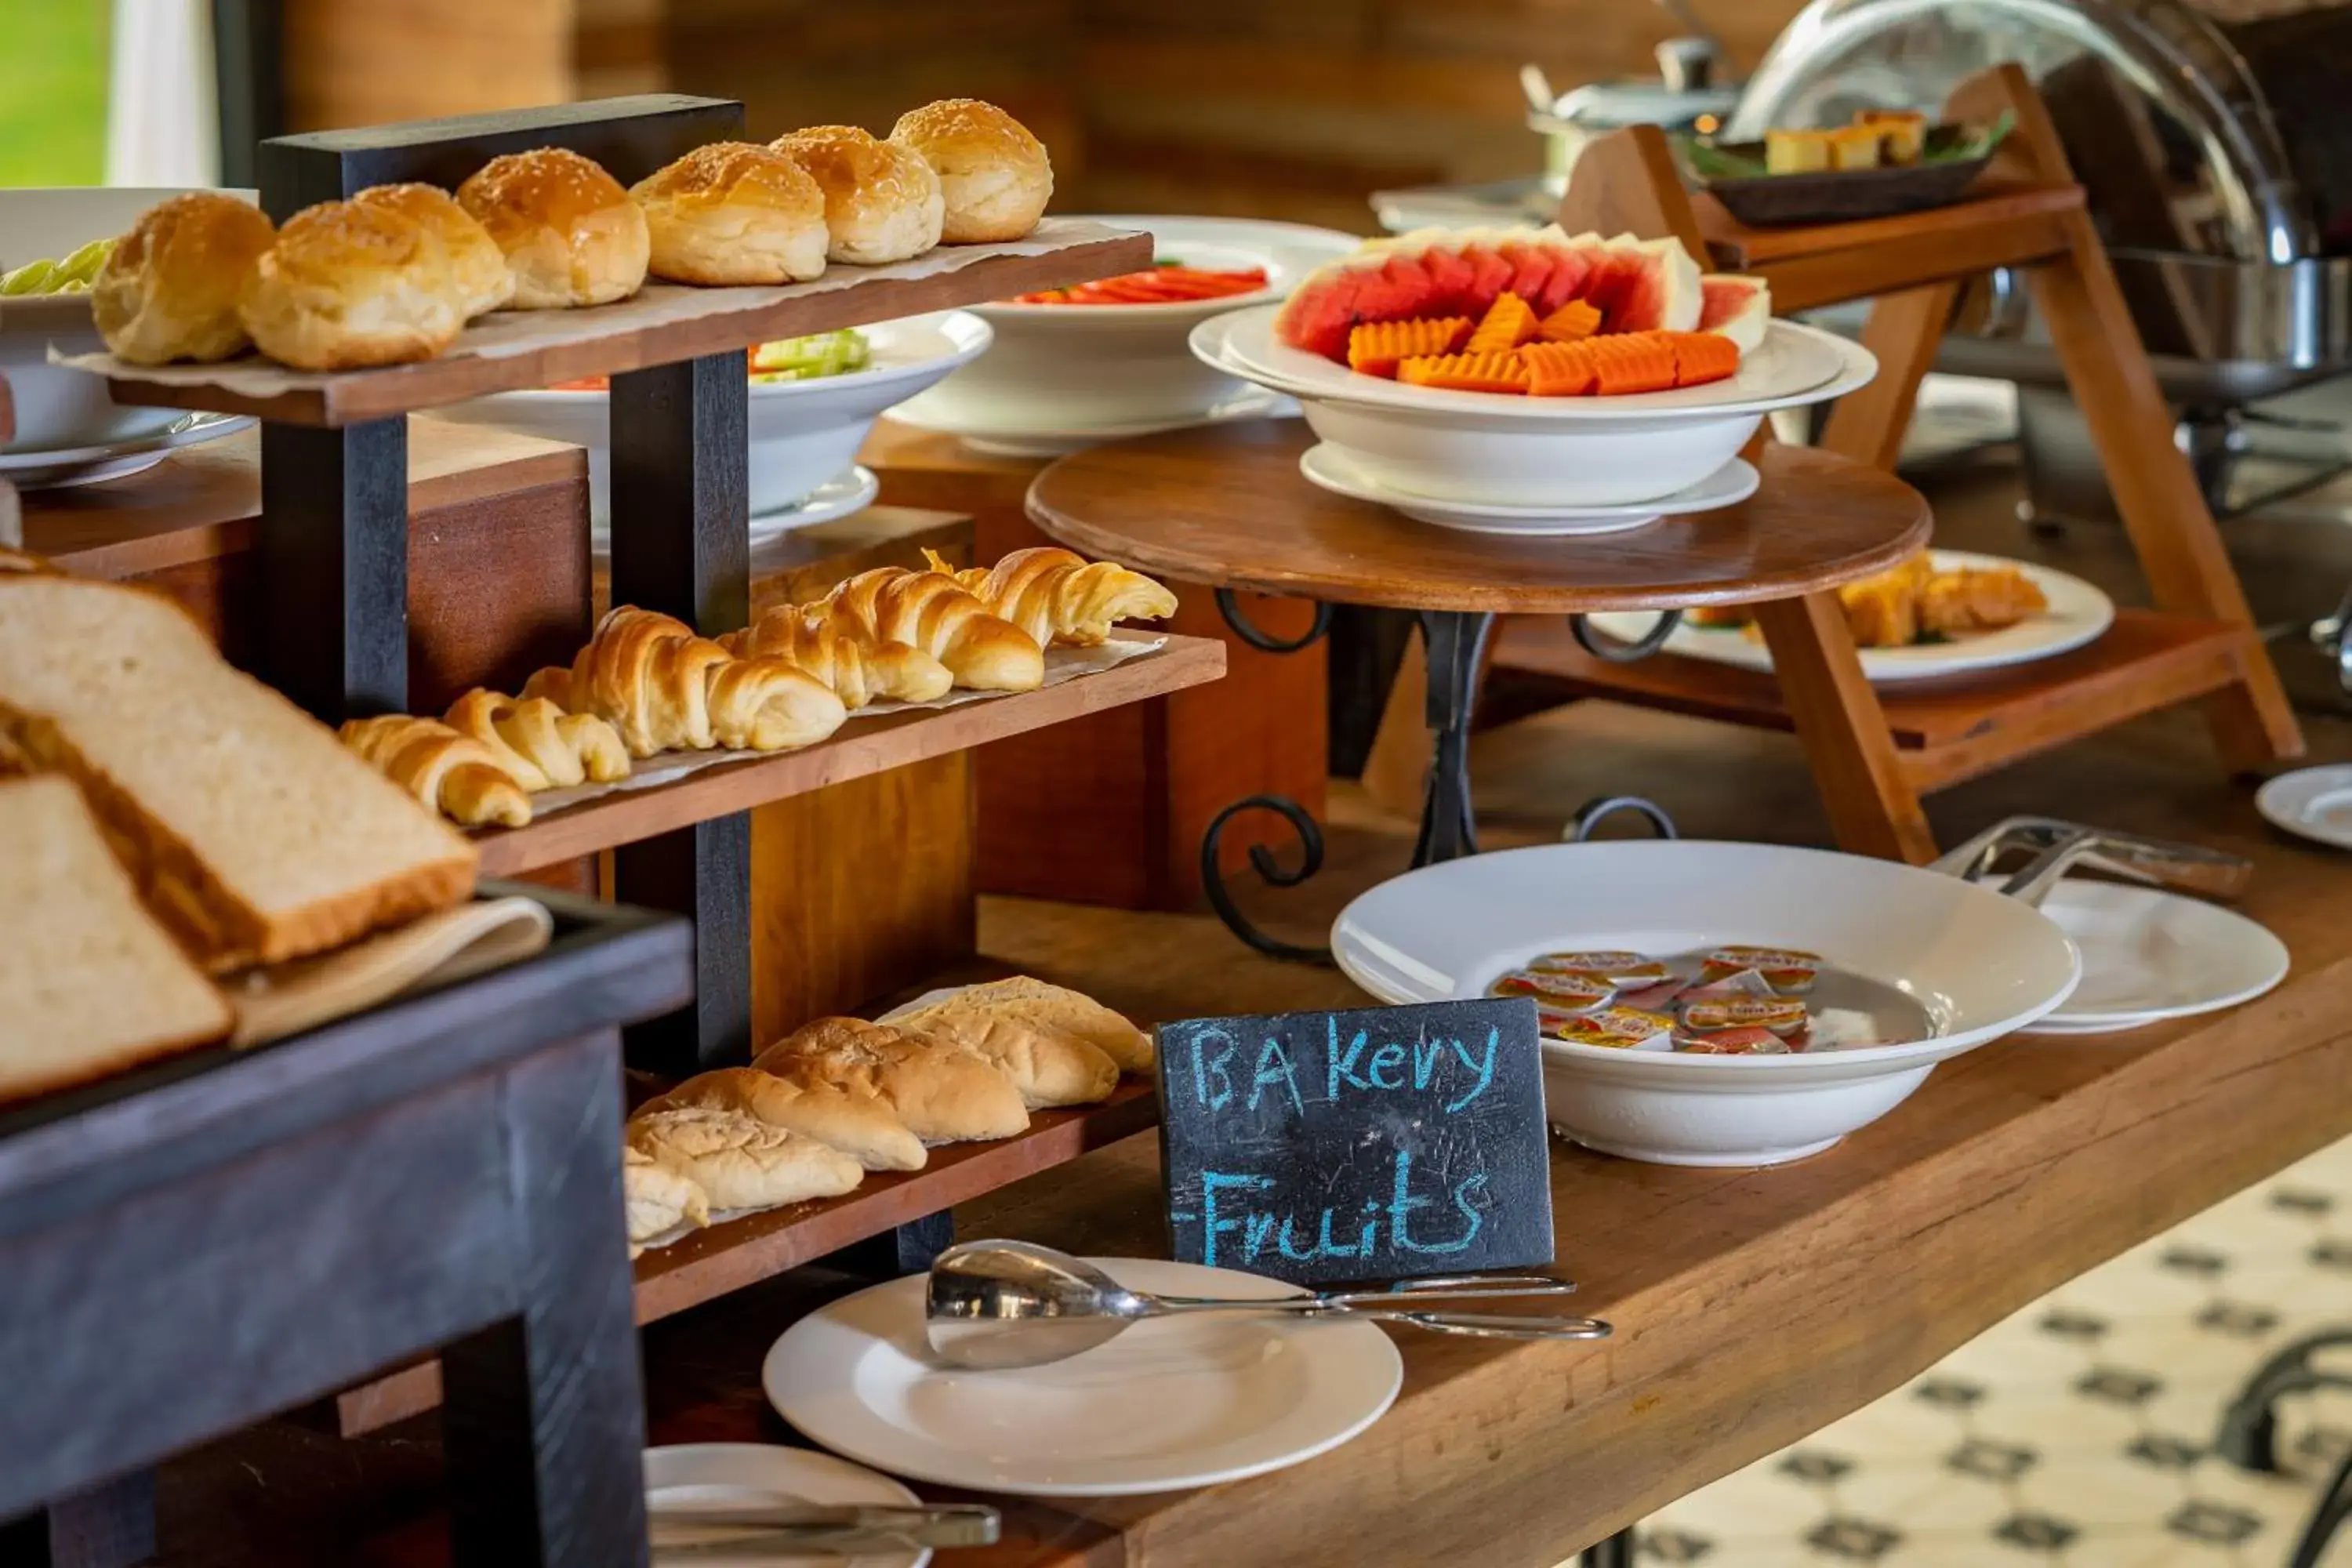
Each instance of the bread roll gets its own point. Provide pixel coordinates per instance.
(348, 286)
(1052, 1008)
(882, 201)
(944, 1093)
(171, 286)
(739, 1163)
(476, 262)
(859, 1122)
(733, 213)
(1049, 1068)
(995, 176)
(658, 1199)
(570, 234)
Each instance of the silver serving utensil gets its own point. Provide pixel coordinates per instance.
(845, 1529)
(1001, 1304)
(2055, 846)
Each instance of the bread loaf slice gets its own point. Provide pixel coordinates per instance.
(252, 834)
(89, 983)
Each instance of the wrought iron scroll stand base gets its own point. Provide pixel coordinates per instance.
(1456, 643)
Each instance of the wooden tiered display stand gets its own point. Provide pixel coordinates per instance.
(1227, 506)
(332, 552)
(1875, 755)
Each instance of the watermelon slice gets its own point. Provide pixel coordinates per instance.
(1450, 276)
(1490, 278)
(1571, 267)
(1663, 293)
(1532, 266)
(1738, 307)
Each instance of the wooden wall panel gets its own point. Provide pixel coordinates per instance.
(366, 62)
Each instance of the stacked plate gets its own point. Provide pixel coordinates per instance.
(2150, 956)
(1497, 462)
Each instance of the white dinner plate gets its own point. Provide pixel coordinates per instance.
(2150, 955)
(57, 467)
(1793, 361)
(1327, 467)
(1171, 1404)
(990, 430)
(2078, 614)
(851, 490)
(2311, 802)
(750, 1475)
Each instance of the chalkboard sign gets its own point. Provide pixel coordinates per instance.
(1379, 1144)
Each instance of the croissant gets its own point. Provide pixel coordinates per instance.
(449, 773)
(1057, 597)
(933, 612)
(663, 688)
(537, 745)
(844, 654)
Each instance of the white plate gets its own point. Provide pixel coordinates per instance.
(982, 429)
(2149, 955)
(1793, 361)
(1329, 468)
(1979, 964)
(2078, 614)
(836, 498)
(2311, 802)
(748, 1475)
(1175, 1403)
(89, 465)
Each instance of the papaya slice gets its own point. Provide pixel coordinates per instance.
(1702, 357)
(1572, 321)
(1465, 372)
(1560, 370)
(1629, 362)
(1375, 348)
(1508, 322)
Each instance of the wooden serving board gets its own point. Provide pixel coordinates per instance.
(512, 351)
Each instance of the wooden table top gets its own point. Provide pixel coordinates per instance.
(1225, 505)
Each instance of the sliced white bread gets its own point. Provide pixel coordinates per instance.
(251, 832)
(90, 982)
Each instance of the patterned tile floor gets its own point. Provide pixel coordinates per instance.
(2078, 1433)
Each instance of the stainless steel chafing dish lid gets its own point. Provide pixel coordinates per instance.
(2213, 127)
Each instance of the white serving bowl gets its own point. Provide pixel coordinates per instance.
(1499, 449)
(803, 433)
(1070, 367)
(1980, 964)
(58, 408)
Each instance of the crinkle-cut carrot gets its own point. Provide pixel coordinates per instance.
(1702, 357)
(1559, 370)
(1465, 372)
(1631, 362)
(1375, 347)
(1507, 323)
(1572, 321)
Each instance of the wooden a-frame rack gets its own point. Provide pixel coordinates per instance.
(1873, 757)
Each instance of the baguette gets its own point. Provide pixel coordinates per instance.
(1053, 1009)
(739, 1163)
(1047, 1066)
(89, 983)
(853, 1119)
(658, 1199)
(253, 835)
(944, 1093)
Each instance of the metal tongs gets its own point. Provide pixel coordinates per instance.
(2055, 846)
(791, 1529)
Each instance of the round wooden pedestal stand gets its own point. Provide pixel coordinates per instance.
(1226, 505)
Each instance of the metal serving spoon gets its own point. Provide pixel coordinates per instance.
(998, 1304)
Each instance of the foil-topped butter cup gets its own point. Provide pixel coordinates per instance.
(1783, 1016)
(1623, 970)
(1746, 1041)
(1622, 1028)
(1558, 993)
(1787, 969)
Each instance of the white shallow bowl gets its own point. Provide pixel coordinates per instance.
(1073, 368)
(1328, 468)
(2311, 802)
(58, 408)
(1980, 964)
(803, 433)
(1495, 449)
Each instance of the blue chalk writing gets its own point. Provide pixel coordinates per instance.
(1211, 1223)
(1273, 1067)
(1204, 1067)
(1484, 1067)
(1387, 1058)
(1339, 1069)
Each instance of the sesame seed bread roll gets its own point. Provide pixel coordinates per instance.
(169, 290)
(476, 262)
(995, 176)
(570, 234)
(348, 286)
(734, 213)
(882, 201)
